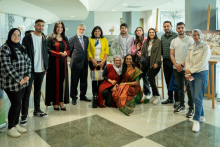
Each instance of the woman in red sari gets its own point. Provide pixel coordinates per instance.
(128, 93)
(111, 75)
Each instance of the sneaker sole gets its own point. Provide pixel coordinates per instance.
(180, 111)
(14, 136)
(23, 124)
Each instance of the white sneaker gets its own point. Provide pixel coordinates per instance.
(196, 126)
(147, 97)
(202, 119)
(157, 100)
(13, 132)
(20, 129)
(152, 99)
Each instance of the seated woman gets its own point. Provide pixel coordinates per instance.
(111, 77)
(128, 93)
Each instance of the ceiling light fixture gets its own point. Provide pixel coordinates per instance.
(113, 10)
(125, 4)
(72, 16)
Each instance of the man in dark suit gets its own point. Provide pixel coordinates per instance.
(79, 64)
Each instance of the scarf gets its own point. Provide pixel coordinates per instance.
(197, 44)
(117, 69)
(13, 45)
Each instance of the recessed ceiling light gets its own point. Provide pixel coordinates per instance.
(113, 10)
(72, 16)
(124, 4)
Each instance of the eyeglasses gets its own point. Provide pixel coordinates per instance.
(117, 60)
(128, 58)
(14, 35)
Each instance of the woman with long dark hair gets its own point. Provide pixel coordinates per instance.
(128, 93)
(15, 72)
(98, 52)
(152, 51)
(57, 83)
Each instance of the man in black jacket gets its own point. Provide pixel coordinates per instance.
(79, 64)
(36, 45)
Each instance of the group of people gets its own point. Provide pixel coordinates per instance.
(22, 65)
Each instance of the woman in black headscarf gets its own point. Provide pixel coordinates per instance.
(15, 72)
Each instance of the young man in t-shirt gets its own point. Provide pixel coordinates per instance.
(36, 45)
(178, 51)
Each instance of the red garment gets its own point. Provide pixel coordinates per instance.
(112, 76)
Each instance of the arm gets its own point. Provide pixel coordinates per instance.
(135, 83)
(203, 62)
(187, 61)
(129, 49)
(49, 47)
(71, 44)
(105, 74)
(133, 49)
(6, 63)
(106, 50)
(144, 49)
(29, 66)
(113, 46)
(158, 57)
(89, 53)
(68, 48)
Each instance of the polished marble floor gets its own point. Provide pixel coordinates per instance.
(149, 125)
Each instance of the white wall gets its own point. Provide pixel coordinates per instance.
(108, 19)
(149, 19)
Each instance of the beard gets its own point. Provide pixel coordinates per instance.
(181, 34)
(168, 31)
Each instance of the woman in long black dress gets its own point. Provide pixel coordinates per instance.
(57, 83)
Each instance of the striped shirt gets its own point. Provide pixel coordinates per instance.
(166, 40)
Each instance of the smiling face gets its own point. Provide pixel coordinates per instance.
(180, 29)
(196, 36)
(97, 33)
(123, 30)
(151, 34)
(39, 27)
(117, 62)
(139, 32)
(59, 29)
(129, 60)
(16, 37)
(167, 27)
(80, 31)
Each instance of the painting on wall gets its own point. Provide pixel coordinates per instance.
(110, 39)
(212, 38)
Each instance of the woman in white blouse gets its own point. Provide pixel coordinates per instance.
(196, 72)
(98, 52)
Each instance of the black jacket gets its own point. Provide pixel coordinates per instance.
(28, 43)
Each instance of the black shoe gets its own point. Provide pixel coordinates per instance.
(85, 99)
(176, 104)
(23, 121)
(63, 109)
(179, 109)
(74, 102)
(167, 102)
(40, 113)
(57, 109)
(190, 113)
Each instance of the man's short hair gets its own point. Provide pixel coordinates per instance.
(167, 22)
(82, 25)
(180, 23)
(124, 24)
(39, 20)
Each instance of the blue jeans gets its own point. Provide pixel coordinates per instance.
(197, 87)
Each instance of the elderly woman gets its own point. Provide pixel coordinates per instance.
(98, 52)
(15, 72)
(111, 77)
(196, 72)
(128, 93)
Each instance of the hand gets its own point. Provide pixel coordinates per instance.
(102, 64)
(187, 72)
(155, 65)
(138, 46)
(65, 53)
(94, 63)
(22, 82)
(179, 68)
(62, 54)
(113, 82)
(188, 77)
(114, 88)
(45, 73)
(26, 79)
(122, 84)
(139, 55)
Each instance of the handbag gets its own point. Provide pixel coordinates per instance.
(96, 75)
(144, 62)
(94, 101)
(173, 84)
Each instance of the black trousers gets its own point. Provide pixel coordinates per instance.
(181, 81)
(37, 77)
(14, 111)
(107, 96)
(151, 78)
(95, 84)
(168, 71)
(76, 75)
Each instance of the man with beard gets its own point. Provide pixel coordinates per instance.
(122, 44)
(178, 51)
(36, 45)
(167, 63)
(79, 64)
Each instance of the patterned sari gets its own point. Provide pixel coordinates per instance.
(127, 96)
